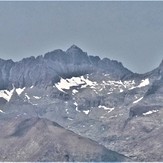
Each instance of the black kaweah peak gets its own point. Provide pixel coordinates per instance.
(56, 64)
(74, 48)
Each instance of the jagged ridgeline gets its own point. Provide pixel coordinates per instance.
(50, 68)
(69, 106)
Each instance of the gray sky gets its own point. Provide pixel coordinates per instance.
(130, 32)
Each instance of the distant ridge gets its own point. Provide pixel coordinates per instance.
(48, 69)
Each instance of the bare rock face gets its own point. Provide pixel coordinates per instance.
(95, 98)
(5, 67)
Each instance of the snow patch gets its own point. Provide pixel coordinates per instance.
(105, 108)
(76, 107)
(121, 90)
(83, 86)
(129, 84)
(34, 104)
(118, 85)
(70, 119)
(150, 112)
(75, 104)
(67, 111)
(27, 96)
(37, 97)
(7, 94)
(74, 91)
(113, 116)
(86, 111)
(2, 111)
(66, 84)
(144, 83)
(137, 100)
(59, 88)
(19, 91)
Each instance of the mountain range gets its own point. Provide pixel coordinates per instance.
(70, 106)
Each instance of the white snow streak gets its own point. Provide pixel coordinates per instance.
(70, 119)
(138, 100)
(37, 97)
(150, 112)
(76, 107)
(2, 111)
(105, 108)
(27, 96)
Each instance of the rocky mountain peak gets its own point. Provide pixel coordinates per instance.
(159, 69)
(47, 69)
(161, 64)
(56, 55)
(74, 49)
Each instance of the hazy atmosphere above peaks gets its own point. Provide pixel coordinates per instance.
(130, 32)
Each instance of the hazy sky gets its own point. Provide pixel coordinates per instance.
(130, 32)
